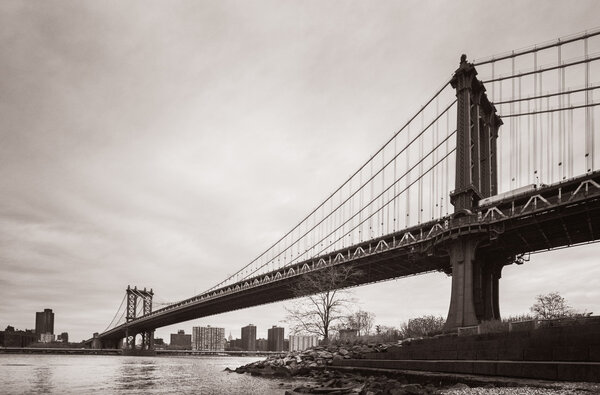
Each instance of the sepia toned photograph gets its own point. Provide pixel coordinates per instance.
(391, 197)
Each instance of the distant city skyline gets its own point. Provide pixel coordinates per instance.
(165, 145)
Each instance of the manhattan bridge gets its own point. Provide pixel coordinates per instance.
(497, 164)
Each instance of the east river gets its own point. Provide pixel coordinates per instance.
(101, 374)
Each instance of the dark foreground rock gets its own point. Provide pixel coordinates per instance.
(313, 367)
(302, 362)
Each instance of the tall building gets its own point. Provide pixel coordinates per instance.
(206, 338)
(180, 341)
(249, 338)
(299, 343)
(44, 323)
(275, 337)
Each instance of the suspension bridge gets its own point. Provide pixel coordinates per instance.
(497, 164)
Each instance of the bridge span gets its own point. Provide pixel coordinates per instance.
(449, 192)
(559, 215)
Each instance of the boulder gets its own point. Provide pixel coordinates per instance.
(338, 357)
(413, 389)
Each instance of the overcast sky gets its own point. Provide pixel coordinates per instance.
(166, 144)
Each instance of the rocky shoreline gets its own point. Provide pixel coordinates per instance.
(313, 366)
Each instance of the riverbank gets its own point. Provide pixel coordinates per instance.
(59, 351)
(322, 377)
(118, 351)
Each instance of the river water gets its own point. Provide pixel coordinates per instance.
(103, 374)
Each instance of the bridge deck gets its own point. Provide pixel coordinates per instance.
(558, 215)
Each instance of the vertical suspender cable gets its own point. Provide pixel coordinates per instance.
(499, 145)
(360, 204)
(447, 188)
(529, 138)
(332, 222)
(350, 214)
(434, 178)
(407, 223)
(550, 141)
(570, 133)
(518, 139)
(383, 189)
(560, 118)
(395, 198)
(588, 132)
(420, 192)
(493, 83)
(563, 126)
(535, 126)
(512, 128)
(371, 188)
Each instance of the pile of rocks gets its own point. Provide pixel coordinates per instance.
(302, 362)
(333, 382)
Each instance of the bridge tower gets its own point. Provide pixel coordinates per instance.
(132, 295)
(474, 278)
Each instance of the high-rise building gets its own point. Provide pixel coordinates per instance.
(44, 323)
(207, 338)
(299, 343)
(249, 338)
(180, 341)
(275, 337)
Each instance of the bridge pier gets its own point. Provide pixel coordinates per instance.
(147, 340)
(475, 278)
(96, 342)
(147, 346)
(475, 285)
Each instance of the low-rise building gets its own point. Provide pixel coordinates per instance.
(262, 345)
(180, 341)
(46, 337)
(13, 338)
(300, 342)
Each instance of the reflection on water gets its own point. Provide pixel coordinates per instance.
(82, 374)
(134, 374)
(42, 380)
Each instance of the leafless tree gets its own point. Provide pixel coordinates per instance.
(422, 326)
(323, 303)
(362, 321)
(551, 306)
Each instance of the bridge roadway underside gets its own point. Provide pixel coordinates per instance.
(381, 267)
(557, 222)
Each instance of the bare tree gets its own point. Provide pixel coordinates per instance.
(387, 333)
(323, 302)
(362, 321)
(551, 306)
(422, 326)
